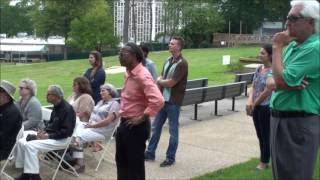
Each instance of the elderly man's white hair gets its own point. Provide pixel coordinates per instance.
(310, 8)
(56, 90)
(31, 84)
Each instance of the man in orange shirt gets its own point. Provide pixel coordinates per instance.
(140, 98)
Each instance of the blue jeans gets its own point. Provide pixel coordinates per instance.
(171, 112)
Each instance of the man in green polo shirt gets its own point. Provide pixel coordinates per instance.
(295, 120)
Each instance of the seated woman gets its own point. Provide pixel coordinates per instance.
(81, 99)
(101, 124)
(29, 105)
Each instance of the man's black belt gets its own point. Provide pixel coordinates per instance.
(124, 119)
(289, 114)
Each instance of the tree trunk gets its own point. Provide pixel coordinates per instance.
(126, 21)
(65, 52)
(65, 48)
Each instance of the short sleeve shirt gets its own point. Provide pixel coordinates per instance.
(100, 112)
(300, 61)
(180, 75)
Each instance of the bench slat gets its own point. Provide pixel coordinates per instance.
(213, 93)
(195, 83)
(192, 96)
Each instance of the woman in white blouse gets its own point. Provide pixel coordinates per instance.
(81, 99)
(101, 124)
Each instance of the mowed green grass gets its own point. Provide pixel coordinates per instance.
(202, 63)
(246, 171)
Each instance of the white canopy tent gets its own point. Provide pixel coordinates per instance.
(23, 48)
(20, 52)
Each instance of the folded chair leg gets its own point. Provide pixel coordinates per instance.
(105, 150)
(74, 172)
(6, 163)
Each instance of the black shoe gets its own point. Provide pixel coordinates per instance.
(23, 176)
(166, 163)
(148, 157)
(34, 176)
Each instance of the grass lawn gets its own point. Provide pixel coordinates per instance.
(247, 170)
(202, 63)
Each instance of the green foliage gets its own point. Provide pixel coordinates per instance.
(201, 21)
(54, 17)
(247, 170)
(244, 170)
(155, 46)
(94, 29)
(236, 67)
(13, 19)
(278, 10)
(79, 18)
(250, 13)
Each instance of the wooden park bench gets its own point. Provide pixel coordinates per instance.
(199, 95)
(194, 97)
(195, 83)
(214, 93)
(233, 90)
(247, 77)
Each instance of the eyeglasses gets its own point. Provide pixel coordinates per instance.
(23, 87)
(293, 18)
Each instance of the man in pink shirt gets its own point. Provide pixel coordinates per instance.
(140, 98)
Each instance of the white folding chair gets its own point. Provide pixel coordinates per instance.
(11, 156)
(106, 147)
(53, 156)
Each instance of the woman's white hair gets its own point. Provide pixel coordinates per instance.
(31, 85)
(310, 8)
(112, 90)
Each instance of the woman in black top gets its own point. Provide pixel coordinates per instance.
(96, 75)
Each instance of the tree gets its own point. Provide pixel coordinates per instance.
(200, 21)
(253, 13)
(250, 14)
(172, 16)
(52, 17)
(278, 10)
(195, 20)
(14, 19)
(94, 29)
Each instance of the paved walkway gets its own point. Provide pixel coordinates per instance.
(213, 143)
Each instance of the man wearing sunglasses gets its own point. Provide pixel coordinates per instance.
(295, 104)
